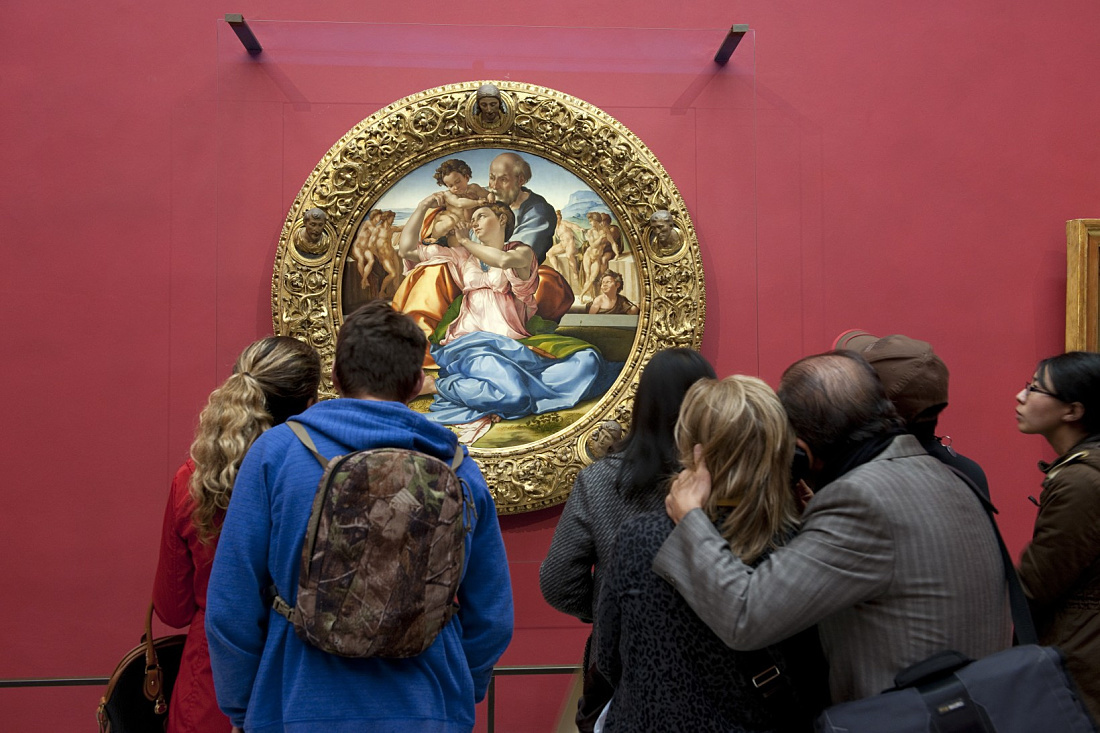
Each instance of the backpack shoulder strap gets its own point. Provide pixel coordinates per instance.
(303, 435)
(469, 508)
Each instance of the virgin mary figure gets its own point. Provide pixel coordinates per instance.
(492, 365)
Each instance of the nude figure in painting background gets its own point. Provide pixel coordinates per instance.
(485, 372)
(375, 243)
(600, 248)
(563, 255)
(615, 234)
(360, 250)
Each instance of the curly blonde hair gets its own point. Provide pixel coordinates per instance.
(273, 379)
(748, 446)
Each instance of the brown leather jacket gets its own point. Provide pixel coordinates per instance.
(1060, 569)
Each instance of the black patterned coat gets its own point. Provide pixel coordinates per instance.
(671, 672)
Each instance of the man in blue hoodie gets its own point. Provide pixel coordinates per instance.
(266, 678)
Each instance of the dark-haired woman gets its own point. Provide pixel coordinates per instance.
(629, 481)
(1060, 569)
(273, 379)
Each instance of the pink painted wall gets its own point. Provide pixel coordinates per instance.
(900, 168)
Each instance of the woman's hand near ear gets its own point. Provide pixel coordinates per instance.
(690, 489)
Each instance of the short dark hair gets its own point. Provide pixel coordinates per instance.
(454, 165)
(379, 353)
(835, 401)
(1075, 377)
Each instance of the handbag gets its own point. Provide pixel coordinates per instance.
(140, 688)
(1019, 690)
(1022, 689)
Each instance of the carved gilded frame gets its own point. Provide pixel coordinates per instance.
(1082, 278)
(378, 152)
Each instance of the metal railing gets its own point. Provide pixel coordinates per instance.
(490, 697)
(54, 682)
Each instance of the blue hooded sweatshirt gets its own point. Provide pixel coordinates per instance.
(266, 678)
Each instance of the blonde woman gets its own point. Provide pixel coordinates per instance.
(275, 378)
(669, 670)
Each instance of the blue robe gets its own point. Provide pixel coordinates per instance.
(483, 374)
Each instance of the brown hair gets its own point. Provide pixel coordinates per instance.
(454, 165)
(502, 209)
(748, 446)
(379, 353)
(836, 401)
(614, 276)
(273, 379)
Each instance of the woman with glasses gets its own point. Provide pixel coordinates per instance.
(1060, 569)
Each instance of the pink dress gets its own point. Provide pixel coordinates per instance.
(179, 596)
(493, 300)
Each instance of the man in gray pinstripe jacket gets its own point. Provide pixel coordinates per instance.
(895, 560)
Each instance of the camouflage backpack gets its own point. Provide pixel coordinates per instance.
(383, 552)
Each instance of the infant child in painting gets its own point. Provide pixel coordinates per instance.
(461, 196)
(609, 300)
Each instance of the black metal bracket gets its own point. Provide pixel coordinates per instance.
(244, 33)
(734, 37)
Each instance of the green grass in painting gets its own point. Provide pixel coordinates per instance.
(510, 433)
(614, 343)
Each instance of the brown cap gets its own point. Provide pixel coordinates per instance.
(914, 377)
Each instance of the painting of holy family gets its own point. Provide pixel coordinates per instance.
(540, 246)
(520, 276)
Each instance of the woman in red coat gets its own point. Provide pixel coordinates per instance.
(275, 378)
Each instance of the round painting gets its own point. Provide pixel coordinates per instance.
(537, 243)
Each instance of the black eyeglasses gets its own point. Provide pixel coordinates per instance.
(1032, 387)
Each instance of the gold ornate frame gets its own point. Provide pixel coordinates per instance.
(1082, 278)
(605, 155)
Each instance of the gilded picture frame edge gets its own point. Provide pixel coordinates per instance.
(671, 284)
(1082, 281)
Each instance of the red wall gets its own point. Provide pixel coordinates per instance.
(899, 168)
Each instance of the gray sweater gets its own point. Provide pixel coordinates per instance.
(570, 575)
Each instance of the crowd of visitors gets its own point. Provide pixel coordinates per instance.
(746, 557)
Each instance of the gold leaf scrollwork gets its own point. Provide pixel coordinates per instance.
(358, 170)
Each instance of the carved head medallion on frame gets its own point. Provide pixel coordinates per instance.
(540, 320)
